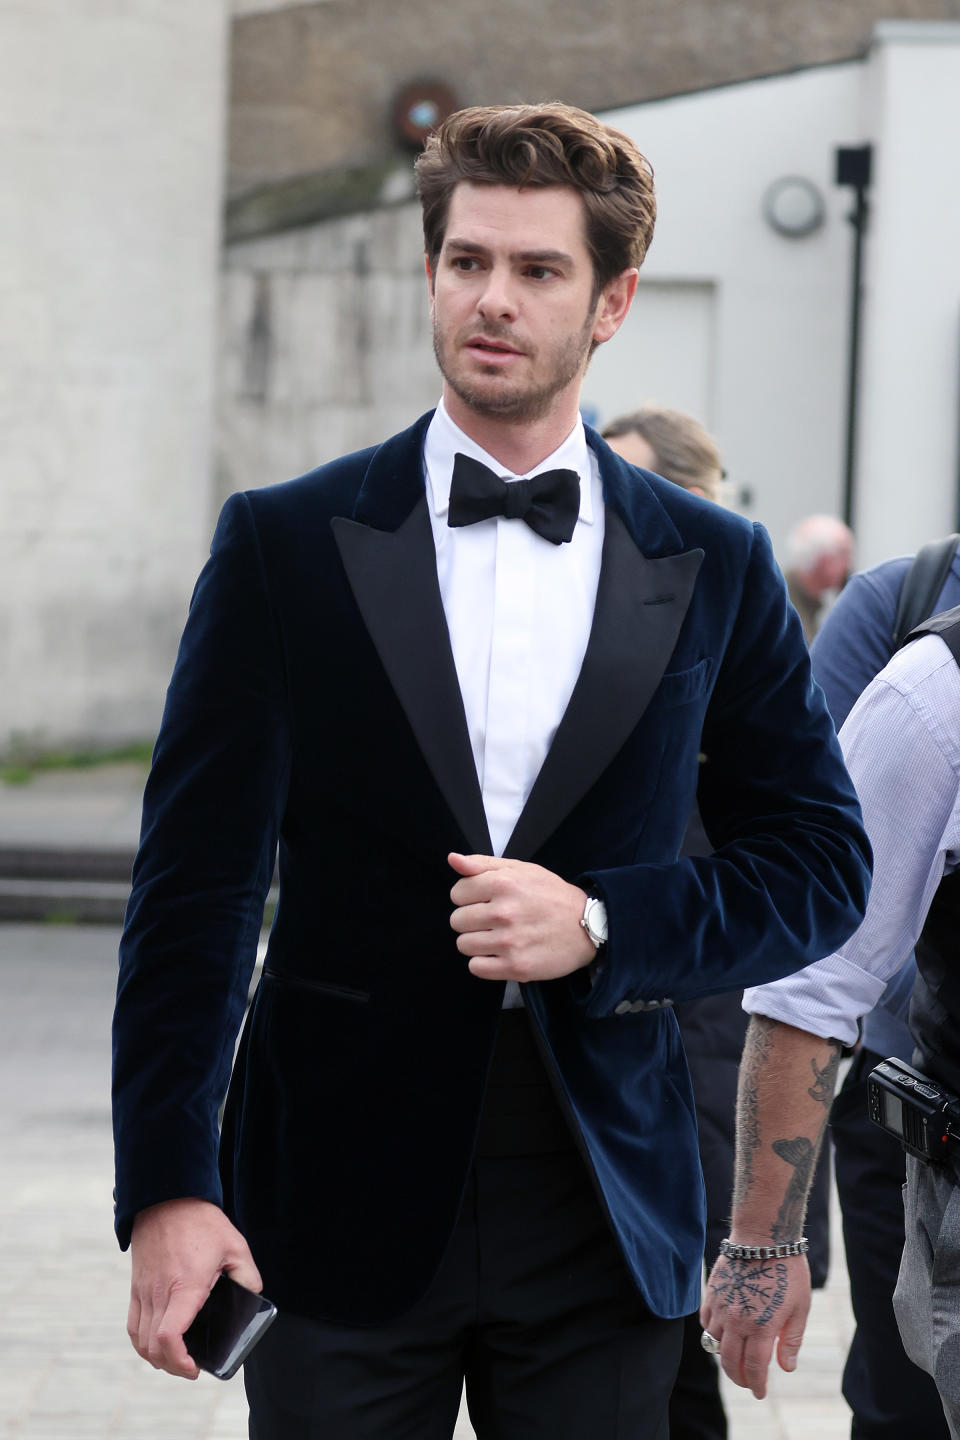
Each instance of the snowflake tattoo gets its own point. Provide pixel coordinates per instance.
(755, 1289)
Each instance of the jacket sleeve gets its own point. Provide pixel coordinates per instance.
(211, 815)
(788, 880)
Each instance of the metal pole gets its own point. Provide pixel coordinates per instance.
(853, 168)
(957, 443)
(858, 219)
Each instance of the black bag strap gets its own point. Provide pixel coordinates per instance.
(922, 585)
(946, 625)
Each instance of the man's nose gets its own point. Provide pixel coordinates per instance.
(497, 300)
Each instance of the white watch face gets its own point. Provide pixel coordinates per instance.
(595, 914)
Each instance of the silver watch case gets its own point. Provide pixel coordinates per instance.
(594, 920)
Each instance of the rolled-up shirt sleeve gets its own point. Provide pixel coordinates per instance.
(901, 743)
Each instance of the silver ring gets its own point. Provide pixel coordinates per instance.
(710, 1343)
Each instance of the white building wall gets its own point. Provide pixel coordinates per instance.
(111, 119)
(774, 395)
(910, 396)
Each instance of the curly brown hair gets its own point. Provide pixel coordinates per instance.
(550, 144)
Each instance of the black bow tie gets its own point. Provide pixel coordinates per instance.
(549, 503)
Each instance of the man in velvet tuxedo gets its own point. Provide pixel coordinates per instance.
(462, 681)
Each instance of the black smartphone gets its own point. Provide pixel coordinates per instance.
(228, 1324)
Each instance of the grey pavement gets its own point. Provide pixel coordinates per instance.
(66, 1368)
(67, 839)
(95, 808)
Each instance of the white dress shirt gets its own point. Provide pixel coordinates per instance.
(901, 742)
(519, 611)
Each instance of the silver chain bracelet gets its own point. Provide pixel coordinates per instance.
(764, 1252)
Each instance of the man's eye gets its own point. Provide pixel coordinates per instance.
(540, 272)
(465, 263)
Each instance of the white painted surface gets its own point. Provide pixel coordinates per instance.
(776, 344)
(662, 355)
(110, 123)
(908, 436)
(779, 344)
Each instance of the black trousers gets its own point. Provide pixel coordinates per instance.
(532, 1307)
(891, 1398)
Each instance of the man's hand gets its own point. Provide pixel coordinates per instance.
(786, 1082)
(517, 921)
(749, 1306)
(179, 1249)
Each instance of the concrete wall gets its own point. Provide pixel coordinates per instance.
(111, 125)
(325, 344)
(264, 7)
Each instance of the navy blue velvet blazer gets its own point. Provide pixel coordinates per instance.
(315, 705)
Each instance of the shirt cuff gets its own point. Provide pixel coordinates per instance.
(826, 999)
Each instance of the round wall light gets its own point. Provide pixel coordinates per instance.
(793, 206)
(419, 108)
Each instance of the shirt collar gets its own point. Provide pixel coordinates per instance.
(445, 439)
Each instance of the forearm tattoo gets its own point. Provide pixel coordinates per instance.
(825, 1079)
(801, 1153)
(755, 1053)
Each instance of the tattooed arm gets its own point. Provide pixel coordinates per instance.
(786, 1084)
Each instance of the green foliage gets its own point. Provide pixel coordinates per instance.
(24, 760)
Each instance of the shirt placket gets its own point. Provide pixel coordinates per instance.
(511, 657)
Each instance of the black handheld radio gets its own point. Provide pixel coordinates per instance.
(923, 1116)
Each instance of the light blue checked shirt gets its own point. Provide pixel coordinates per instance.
(901, 742)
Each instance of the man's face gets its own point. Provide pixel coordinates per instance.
(512, 304)
(832, 571)
(635, 450)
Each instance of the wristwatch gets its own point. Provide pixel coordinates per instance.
(594, 920)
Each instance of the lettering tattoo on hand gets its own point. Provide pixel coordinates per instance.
(750, 1289)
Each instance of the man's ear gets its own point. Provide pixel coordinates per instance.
(614, 305)
(430, 281)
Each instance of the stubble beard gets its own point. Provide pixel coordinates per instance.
(518, 403)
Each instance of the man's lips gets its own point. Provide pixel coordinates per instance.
(495, 349)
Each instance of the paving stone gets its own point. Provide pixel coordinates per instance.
(67, 1370)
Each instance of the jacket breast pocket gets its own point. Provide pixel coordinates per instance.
(679, 687)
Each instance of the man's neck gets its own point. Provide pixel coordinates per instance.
(519, 445)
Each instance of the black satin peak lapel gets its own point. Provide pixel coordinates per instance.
(641, 604)
(393, 575)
